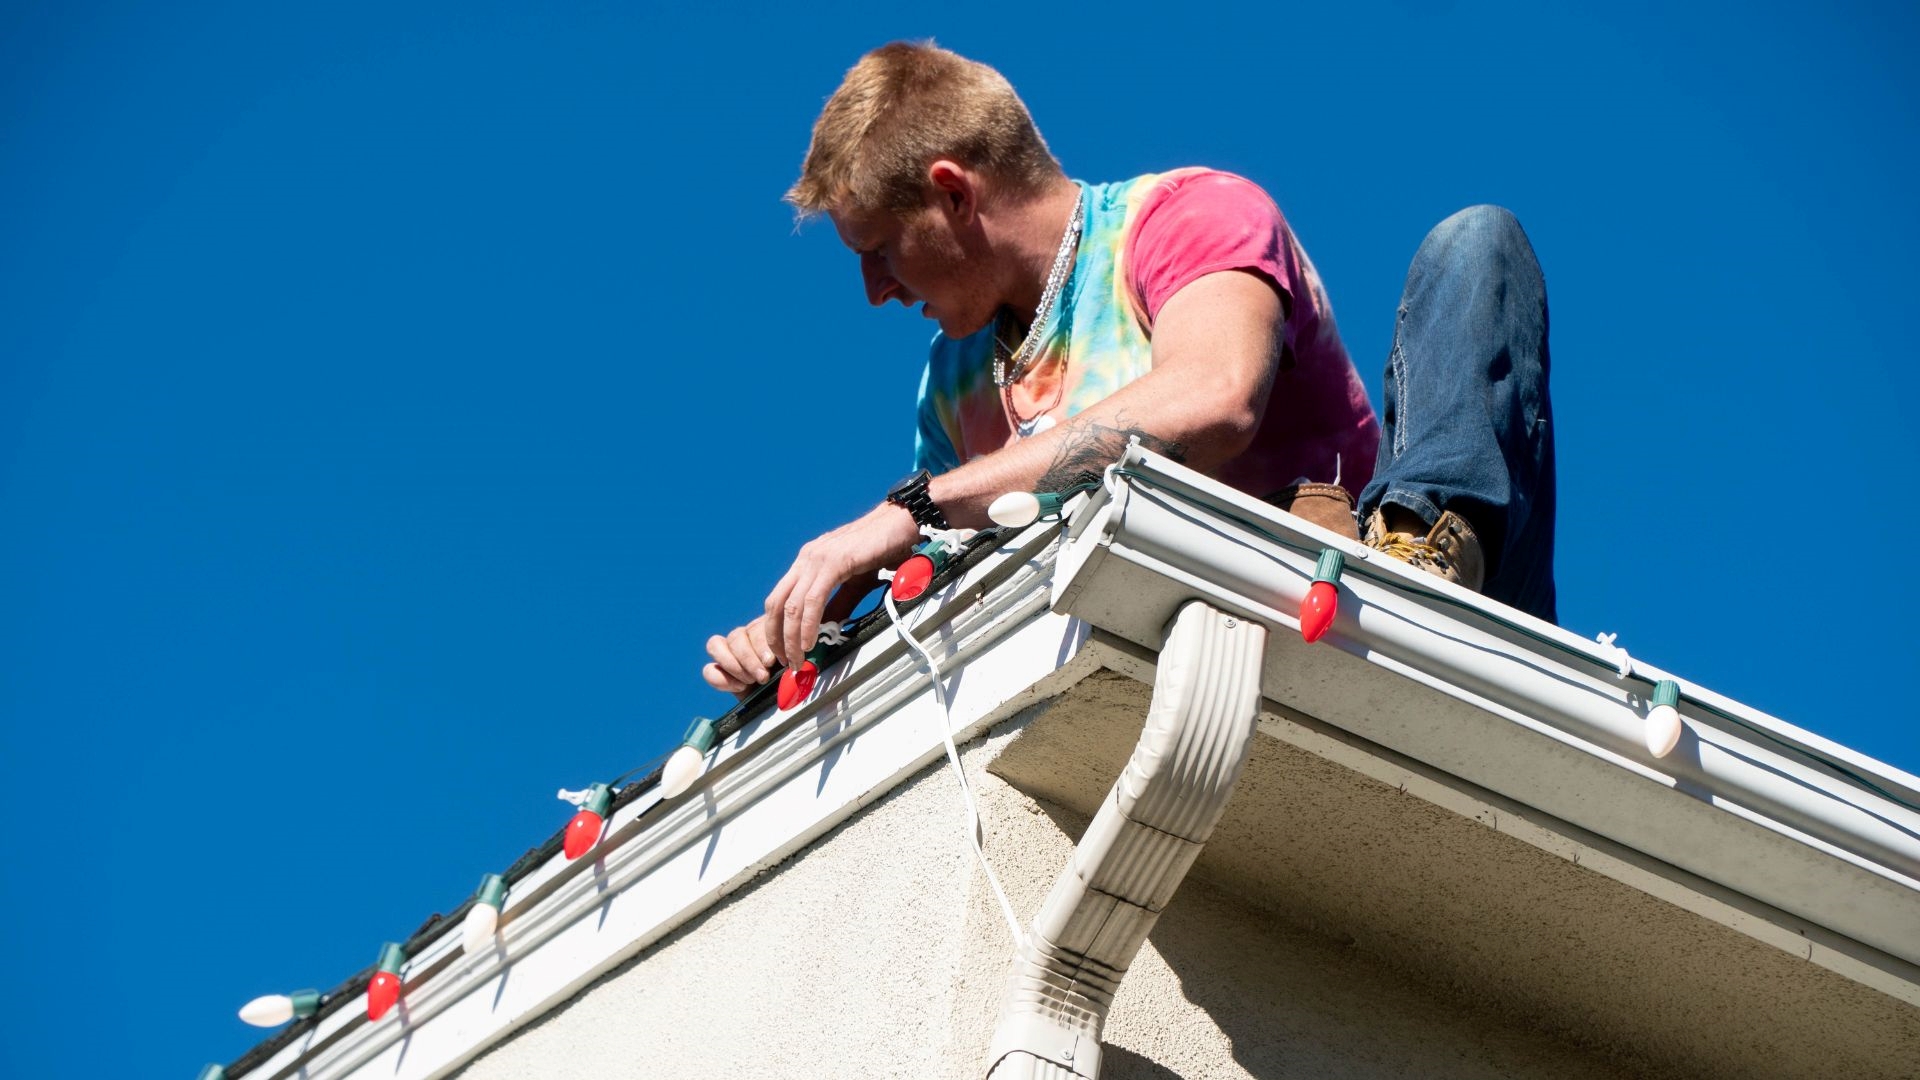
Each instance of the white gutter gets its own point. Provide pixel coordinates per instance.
(1139, 847)
(1746, 800)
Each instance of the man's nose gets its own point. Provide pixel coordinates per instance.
(881, 286)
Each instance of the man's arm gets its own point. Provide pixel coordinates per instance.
(1216, 348)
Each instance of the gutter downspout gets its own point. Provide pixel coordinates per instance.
(1140, 845)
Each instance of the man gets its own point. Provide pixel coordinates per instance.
(1177, 309)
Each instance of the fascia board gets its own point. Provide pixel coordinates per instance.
(777, 784)
(1753, 808)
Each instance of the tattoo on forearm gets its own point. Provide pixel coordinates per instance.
(1089, 447)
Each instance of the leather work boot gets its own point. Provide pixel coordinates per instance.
(1329, 506)
(1449, 550)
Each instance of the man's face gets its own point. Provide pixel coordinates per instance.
(919, 260)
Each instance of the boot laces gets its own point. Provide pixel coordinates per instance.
(1410, 549)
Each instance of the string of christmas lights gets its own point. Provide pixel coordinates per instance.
(941, 551)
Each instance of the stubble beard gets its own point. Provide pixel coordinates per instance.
(971, 306)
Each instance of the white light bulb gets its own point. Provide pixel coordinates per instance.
(681, 770)
(1015, 509)
(1663, 730)
(477, 931)
(269, 1011)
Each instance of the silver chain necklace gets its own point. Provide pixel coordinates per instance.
(1049, 298)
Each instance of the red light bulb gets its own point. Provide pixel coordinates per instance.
(796, 683)
(383, 993)
(1323, 596)
(1317, 610)
(912, 578)
(383, 990)
(584, 830)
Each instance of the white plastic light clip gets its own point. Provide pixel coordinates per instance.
(1620, 657)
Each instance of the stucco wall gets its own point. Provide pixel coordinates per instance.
(878, 951)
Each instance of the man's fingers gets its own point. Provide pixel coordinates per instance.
(721, 654)
(736, 663)
(774, 628)
(813, 603)
(757, 642)
(802, 611)
(748, 654)
(719, 681)
(742, 659)
(786, 621)
(793, 622)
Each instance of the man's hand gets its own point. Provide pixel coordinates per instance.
(883, 536)
(847, 557)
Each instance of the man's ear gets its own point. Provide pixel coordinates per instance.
(955, 189)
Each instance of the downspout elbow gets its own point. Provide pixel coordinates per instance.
(1146, 835)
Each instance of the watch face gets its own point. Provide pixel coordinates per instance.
(906, 483)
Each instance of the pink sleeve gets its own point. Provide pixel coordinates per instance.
(1200, 224)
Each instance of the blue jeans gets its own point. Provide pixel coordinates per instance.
(1468, 423)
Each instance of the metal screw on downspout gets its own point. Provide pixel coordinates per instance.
(1069, 1053)
(1231, 623)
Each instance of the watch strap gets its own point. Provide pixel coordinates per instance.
(911, 494)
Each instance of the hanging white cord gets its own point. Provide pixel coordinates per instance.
(953, 758)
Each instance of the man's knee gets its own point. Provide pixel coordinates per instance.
(1477, 229)
(1477, 241)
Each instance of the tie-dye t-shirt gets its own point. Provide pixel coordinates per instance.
(1143, 240)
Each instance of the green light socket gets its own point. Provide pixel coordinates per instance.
(937, 553)
(701, 734)
(492, 891)
(392, 958)
(1666, 692)
(1330, 566)
(305, 1003)
(599, 799)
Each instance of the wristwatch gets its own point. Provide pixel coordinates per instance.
(911, 493)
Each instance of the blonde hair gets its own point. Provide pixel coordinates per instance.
(904, 106)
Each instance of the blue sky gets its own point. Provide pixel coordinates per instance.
(393, 398)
